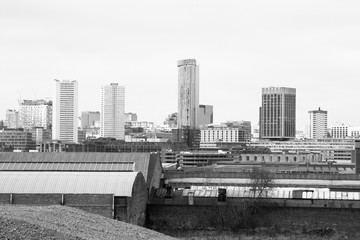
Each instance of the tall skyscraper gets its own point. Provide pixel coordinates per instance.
(65, 111)
(112, 116)
(188, 94)
(35, 113)
(318, 124)
(278, 113)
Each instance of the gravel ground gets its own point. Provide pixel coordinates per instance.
(58, 222)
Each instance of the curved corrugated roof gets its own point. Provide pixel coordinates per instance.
(141, 160)
(68, 166)
(119, 184)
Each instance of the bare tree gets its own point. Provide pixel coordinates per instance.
(260, 180)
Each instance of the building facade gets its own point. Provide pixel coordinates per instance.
(339, 131)
(205, 114)
(12, 118)
(139, 124)
(222, 133)
(188, 94)
(339, 150)
(318, 124)
(90, 119)
(354, 132)
(171, 120)
(241, 125)
(112, 116)
(17, 140)
(65, 111)
(278, 113)
(35, 113)
(130, 117)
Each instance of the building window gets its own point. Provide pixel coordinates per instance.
(278, 158)
(255, 158)
(247, 158)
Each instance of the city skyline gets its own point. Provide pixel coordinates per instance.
(310, 46)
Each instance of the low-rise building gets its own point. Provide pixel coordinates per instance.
(221, 133)
(17, 139)
(339, 150)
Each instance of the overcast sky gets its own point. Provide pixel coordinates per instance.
(241, 46)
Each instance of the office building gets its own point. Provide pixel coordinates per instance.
(17, 140)
(191, 137)
(65, 111)
(188, 94)
(318, 124)
(171, 120)
(222, 133)
(129, 117)
(354, 132)
(242, 125)
(90, 119)
(40, 134)
(112, 116)
(205, 115)
(339, 131)
(12, 118)
(278, 113)
(35, 113)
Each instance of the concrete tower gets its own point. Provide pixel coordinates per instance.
(318, 124)
(188, 94)
(112, 116)
(278, 113)
(65, 111)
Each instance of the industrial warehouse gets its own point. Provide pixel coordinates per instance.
(115, 185)
(136, 188)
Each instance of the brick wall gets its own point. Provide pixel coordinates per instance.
(37, 199)
(101, 204)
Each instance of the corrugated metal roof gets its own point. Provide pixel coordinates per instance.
(119, 184)
(141, 160)
(69, 166)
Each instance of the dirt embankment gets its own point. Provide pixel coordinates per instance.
(58, 222)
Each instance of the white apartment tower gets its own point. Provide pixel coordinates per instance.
(188, 94)
(65, 111)
(112, 116)
(318, 124)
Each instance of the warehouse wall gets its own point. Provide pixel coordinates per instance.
(101, 204)
(136, 205)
